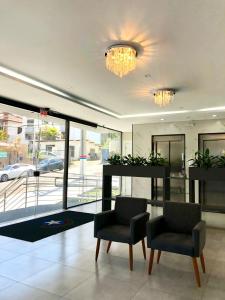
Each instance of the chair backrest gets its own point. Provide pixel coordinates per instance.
(128, 207)
(181, 217)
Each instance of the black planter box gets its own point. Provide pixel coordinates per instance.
(132, 171)
(207, 174)
(203, 175)
(136, 171)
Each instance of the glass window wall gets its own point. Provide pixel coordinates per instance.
(29, 143)
(32, 159)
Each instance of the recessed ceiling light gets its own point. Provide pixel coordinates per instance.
(214, 116)
(162, 119)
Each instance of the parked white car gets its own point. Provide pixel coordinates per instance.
(14, 171)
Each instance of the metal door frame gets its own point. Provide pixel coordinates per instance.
(152, 148)
(201, 185)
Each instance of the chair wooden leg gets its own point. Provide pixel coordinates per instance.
(143, 248)
(202, 259)
(151, 261)
(108, 247)
(158, 256)
(197, 275)
(97, 249)
(131, 257)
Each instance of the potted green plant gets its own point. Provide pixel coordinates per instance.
(203, 160)
(138, 166)
(115, 159)
(205, 166)
(155, 159)
(154, 166)
(221, 161)
(130, 160)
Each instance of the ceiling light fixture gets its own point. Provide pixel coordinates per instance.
(163, 97)
(121, 59)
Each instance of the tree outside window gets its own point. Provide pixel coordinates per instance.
(3, 135)
(49, 133)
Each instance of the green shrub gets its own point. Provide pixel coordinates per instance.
(204, 160)
(154, 159)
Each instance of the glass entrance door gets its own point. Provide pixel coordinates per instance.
(28, 144)
(49, 162)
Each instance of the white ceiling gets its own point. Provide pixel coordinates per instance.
(63, 42)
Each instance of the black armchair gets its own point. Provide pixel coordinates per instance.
(125, 224)
(180, 230)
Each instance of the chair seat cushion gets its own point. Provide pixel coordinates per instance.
(115, 233)
(174, 242)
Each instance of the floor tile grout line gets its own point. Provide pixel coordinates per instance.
(79, 284)
(38, 289)
(7, 260)
(63, 295)
(139, 289)
(21, 281)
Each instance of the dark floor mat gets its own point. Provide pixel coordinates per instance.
(40, 228)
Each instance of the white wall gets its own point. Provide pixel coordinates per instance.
(142, 138)
(126, 149)
(127, 143)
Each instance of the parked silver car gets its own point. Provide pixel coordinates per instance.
(14, 171)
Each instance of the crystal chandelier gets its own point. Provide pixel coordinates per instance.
(163, 97)
(121, 59)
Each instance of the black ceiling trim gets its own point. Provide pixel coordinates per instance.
(52, 113)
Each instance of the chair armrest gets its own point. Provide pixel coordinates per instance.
(154, 227)
(103, 219)
(138, 227)
(199, 237)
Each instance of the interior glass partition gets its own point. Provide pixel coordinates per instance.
(172, 147)
(211, 193)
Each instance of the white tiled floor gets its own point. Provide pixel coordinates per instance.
(63, 267)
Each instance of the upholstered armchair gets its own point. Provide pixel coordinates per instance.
(180, 230)
(125, 224)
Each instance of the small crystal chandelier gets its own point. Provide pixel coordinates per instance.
(163, 97)
(121, 59)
